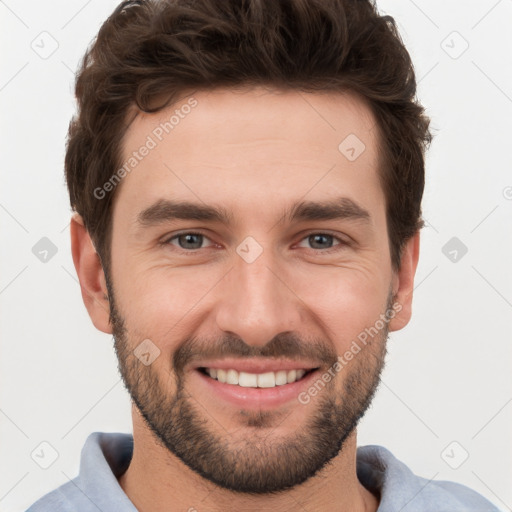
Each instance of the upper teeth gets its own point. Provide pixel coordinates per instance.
(253, 380)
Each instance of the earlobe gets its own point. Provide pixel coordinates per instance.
(90, 274)
(403, 284)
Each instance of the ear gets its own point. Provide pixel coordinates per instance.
(90, 274)
(403, 283)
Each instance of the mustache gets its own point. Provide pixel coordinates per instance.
(285, 345)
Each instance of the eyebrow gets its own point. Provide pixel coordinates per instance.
(165, 210)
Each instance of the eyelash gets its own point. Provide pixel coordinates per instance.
(342, 243)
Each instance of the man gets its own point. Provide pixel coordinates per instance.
(282, 140)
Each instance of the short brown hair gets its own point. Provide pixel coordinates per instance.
(161, 48)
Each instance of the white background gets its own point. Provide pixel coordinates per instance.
(448, 373)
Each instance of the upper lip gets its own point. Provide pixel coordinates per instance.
(257, 365)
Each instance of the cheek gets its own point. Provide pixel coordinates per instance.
(168, 305)
(345, 302)
(164, 304)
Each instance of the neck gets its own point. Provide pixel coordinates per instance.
(158, 481)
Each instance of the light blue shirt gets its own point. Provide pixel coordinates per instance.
(106, 456)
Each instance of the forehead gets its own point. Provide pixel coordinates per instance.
(255, 142)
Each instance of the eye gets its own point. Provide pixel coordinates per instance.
(320, 242)
(191, 241)
(323, 241)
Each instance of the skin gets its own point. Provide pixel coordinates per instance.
(254, 152)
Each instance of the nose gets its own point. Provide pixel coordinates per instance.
(257, 301)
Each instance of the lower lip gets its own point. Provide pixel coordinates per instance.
(255, 398)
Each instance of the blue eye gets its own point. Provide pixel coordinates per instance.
(319, 242)
(323, 239)
(191, 241)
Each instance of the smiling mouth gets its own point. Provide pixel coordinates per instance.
(256, 380)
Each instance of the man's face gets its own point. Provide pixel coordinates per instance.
(267, 290)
